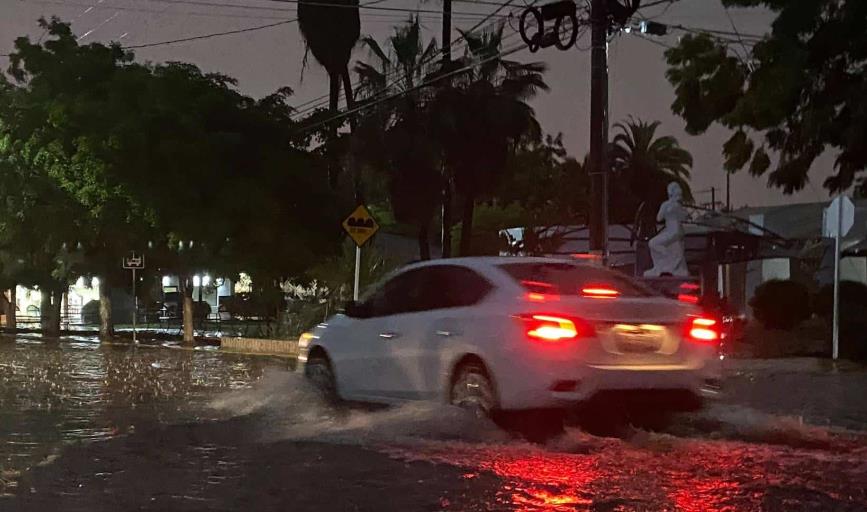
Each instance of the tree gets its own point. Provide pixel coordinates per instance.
(796, 94)
(73, 101)
(480, 115)
(549, 185)
(240, 198)
(643, 166)
(399, 130)
(165, 160)
(331, 30)
(38, 229)
(543, 190)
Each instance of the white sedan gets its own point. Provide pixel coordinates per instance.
(510, 334)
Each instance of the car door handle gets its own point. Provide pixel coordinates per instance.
(389, 335)
(445, 334)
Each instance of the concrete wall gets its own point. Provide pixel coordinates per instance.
(259, 346)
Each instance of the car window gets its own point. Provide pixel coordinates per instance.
(570, 279)
(400, 294)
(452, 286)
(428, 288)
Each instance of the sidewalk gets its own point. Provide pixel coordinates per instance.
(816, 390)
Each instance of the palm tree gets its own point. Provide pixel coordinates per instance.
(480, 115)
(643, 165)
(405, 56)
(330, 32)
(395, 133)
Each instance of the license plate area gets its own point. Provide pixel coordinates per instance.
(638, 339)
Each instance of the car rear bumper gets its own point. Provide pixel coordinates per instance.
(700, 380)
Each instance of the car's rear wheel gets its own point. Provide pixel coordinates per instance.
(320, 374)
(473, 390)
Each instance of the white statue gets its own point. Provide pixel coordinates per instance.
(666, 248)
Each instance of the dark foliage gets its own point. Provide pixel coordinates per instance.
(781, 304)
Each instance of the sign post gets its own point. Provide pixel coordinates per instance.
(134, 262)
(360, 226)
(839, 218)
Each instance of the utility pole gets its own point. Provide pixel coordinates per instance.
(599, 130)
(728, 191)
(713, 198)
(446, 221)
(447, 30)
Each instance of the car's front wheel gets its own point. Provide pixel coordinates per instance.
(320, 374)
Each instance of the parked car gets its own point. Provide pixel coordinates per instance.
(519, 335)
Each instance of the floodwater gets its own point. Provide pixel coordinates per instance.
(89, 427)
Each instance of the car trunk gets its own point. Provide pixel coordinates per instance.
(631, 331)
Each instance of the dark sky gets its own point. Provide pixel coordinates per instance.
(267, 59)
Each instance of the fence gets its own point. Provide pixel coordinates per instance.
(287, 325)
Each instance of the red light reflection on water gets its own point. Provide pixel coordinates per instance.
(556, 482)
(704, 495)
(532, 480)
(661, 473)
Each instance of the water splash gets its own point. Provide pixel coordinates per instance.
(293, 410)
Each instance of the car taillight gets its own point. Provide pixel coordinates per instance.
(553, 328)
(689, 293)
(538, 291)
(703, 329)
(600, 292)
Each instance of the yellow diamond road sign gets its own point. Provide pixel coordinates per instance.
(360, 226)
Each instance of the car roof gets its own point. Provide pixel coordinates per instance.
(483, 261)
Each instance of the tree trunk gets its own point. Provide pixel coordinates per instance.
(186, 289)
(57, 309)
(12, 310)
(106, 316)
(354, 168)
(424, 241)
(446, 240)
(350, 98)
(49, 312)
(467, 225)
(333, 98)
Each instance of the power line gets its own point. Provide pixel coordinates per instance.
(477, 2)
(658, 2)
(745, 60)
(265, 26)
(153, 11)
(304, 109)
(651, 40)
(300, 112)
(226, 33)
(707, 31)
(498, 55)
(320, 3)
(668, 4)
(211, 35)
(272, 15)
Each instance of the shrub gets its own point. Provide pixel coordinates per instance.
(781, 304)
(853, 316)
(853, 296)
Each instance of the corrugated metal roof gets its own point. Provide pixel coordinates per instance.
(802, 220)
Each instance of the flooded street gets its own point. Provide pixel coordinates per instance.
(88, 427)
